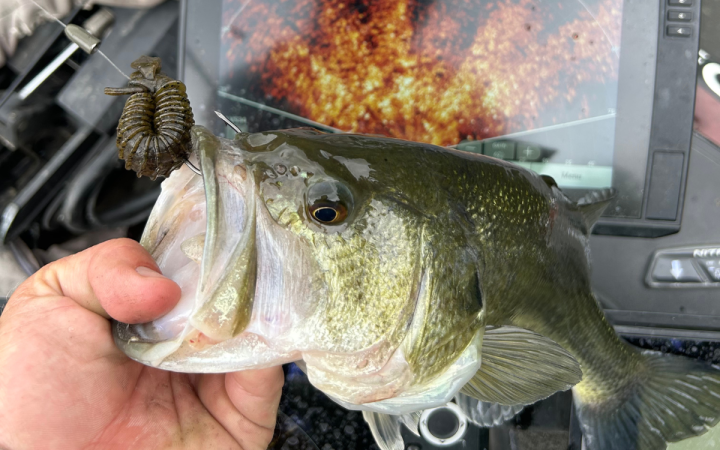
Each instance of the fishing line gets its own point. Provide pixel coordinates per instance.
(228, 27)
(77, 43)
(112, 64)
(48, 13)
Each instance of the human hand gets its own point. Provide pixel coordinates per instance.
(64, 383)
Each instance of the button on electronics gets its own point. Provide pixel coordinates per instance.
(679, 31)
(712, 266)
(499, 149)
(668, 268)
(680, 2)
(689, 267)
(470, 146)
(529, 152)
(679, 16)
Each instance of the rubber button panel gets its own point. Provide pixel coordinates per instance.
(689, 267)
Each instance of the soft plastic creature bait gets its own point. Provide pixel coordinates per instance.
(153, 136)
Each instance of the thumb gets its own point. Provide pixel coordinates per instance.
(117, 279)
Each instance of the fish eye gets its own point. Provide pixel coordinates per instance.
(329, 202)
(328, 212)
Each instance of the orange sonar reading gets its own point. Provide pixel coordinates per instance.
(438, 72)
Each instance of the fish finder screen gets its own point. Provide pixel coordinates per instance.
(528, 81)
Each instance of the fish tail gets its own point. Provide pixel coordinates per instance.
(669, 398)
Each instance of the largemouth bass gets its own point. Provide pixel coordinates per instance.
(399, 276)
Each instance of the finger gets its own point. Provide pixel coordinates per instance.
(256, 393)
(117, 279)
(244, 403)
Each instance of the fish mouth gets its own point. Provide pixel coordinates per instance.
(202, 235)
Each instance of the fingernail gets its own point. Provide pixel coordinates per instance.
(146, 272)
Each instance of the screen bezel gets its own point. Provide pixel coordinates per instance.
(648, 63)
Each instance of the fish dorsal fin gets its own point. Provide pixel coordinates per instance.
(593, 204)
(485, 414)
(385, 429)
(520, 367)
(550, 181)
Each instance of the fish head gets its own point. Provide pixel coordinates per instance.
(321, 249)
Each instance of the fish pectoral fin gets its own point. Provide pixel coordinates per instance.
(411, 421)
(520, 367)
(385, 429)
(593, 204)
(486, 414)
